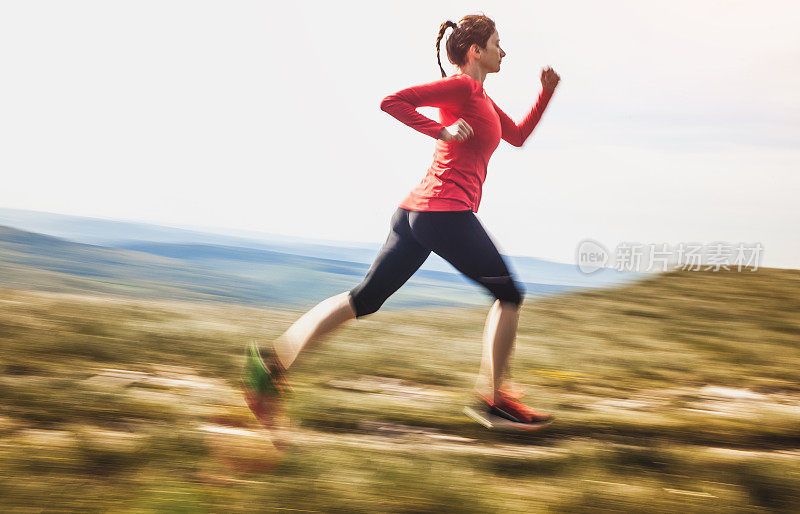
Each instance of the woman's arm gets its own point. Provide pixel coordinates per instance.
(516, 134)
(449, 93)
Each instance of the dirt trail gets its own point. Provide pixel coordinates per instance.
(220, 414)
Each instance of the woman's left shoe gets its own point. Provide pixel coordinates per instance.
(265, 386)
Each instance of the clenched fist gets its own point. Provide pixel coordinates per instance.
(550, 78)
(458, 131)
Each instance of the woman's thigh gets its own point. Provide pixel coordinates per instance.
(460, 239)
(399, 258)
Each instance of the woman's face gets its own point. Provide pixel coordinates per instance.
(490, 57)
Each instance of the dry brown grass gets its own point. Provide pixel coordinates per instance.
(682, 391)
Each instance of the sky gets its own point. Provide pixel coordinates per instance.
(674, 121)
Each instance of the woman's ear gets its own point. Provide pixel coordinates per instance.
(475, 49)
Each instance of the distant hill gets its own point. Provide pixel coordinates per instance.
(251, 262)
(35, 261)
(124, 234)
(210, 272)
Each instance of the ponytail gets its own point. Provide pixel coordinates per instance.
(442, 28)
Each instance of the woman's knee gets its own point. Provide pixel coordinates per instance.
(515, 298)
(505, 289)
(363, 304)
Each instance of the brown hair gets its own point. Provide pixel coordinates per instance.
(471, 29)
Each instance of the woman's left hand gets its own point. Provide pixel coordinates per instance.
(550, 78)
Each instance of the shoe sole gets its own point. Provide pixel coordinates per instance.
(492, 422)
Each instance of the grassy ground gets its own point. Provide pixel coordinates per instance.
(680, 392)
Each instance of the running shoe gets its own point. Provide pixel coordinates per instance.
(265, 385)
(506, 406)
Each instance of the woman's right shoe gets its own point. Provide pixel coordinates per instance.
(506, 406)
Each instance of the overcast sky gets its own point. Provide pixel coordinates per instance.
(674, 121)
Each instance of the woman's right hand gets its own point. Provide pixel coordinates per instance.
(458, 131)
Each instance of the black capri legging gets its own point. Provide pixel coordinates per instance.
(456, 236)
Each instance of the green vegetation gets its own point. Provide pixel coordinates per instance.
(678, 392)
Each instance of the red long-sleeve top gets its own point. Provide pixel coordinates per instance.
(455, 179)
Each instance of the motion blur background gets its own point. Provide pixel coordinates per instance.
(180, 178)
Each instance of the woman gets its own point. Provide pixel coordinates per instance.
(438, 215)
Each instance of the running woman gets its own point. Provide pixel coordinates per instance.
(437, 216)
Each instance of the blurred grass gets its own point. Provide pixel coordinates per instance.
(636, 377)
